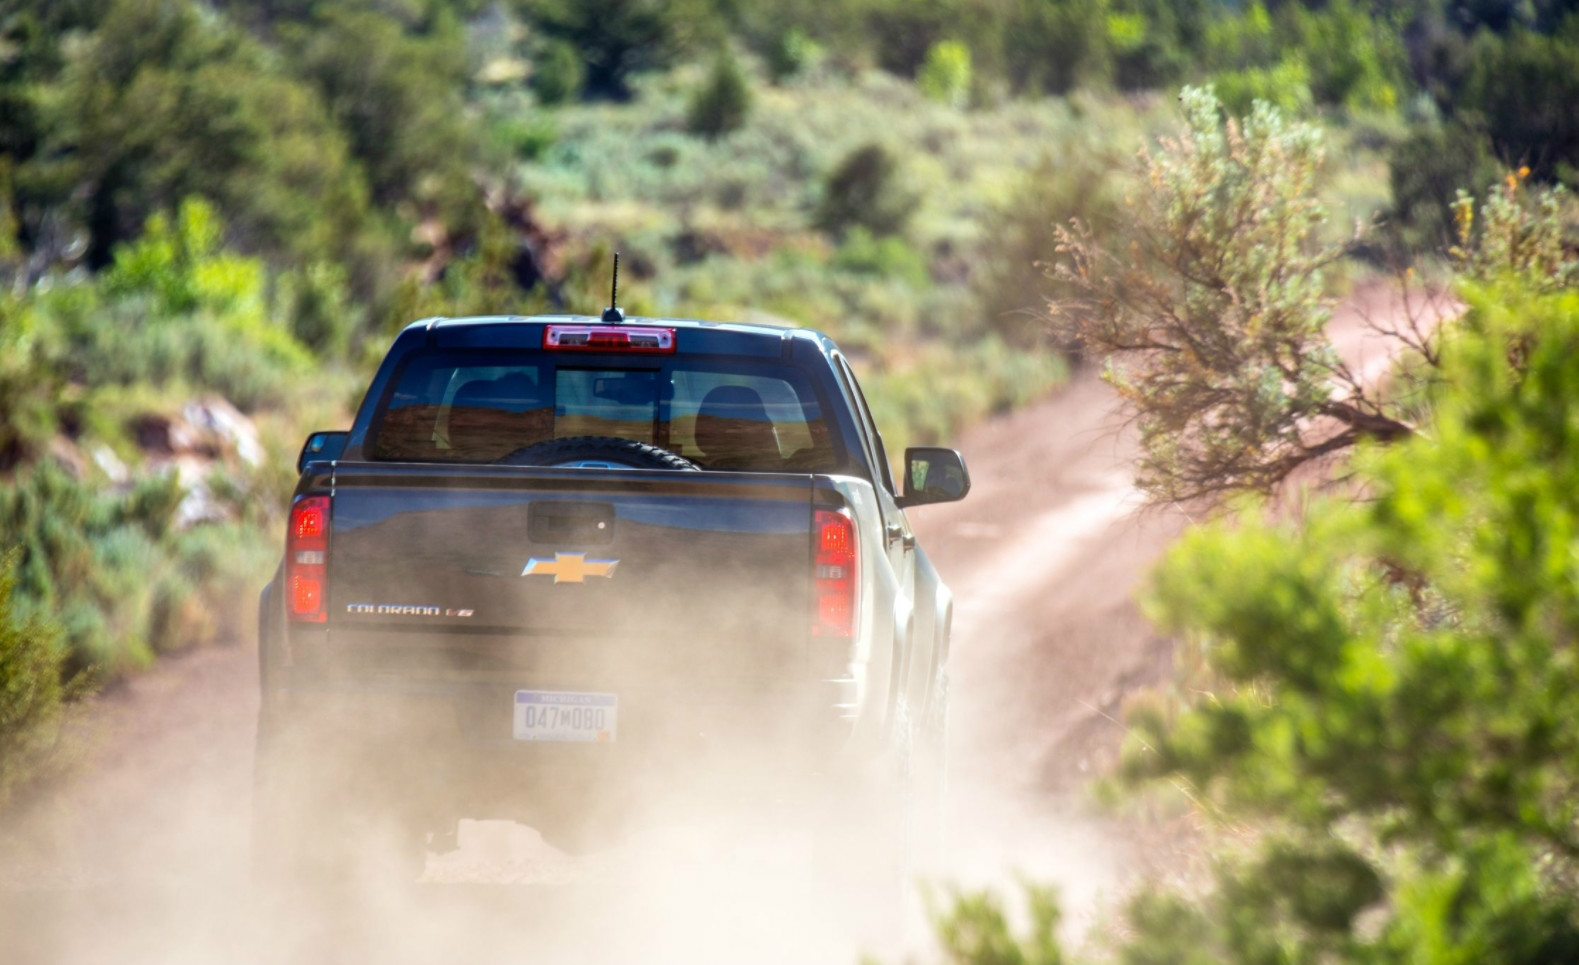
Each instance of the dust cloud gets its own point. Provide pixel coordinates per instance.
(719, 885)
(146, 855)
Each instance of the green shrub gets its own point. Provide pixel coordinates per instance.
(316, 304)
(123, 580)
(524, 138)
(1285, 86)
(1518, 235)
(1356, 60)
(1235, 42)
(1148, 51)
(126, 343)
(900, 34)
(945, 76)
(789, 52)
(32, 667)
(974, 929)
(154, 102)
(1522, 90)
(221, 567)
(1426, 171)
(1011, 283)
(480, 283)
(396, 95)
(1215, 313)
(175, 309)
(618, 39)
(557, 74)
(720, 106)
(29, 387)
(1376, 734)
(889, 257)
(1378, 680)
(1056, 47)
(864, 191)
(179, 264)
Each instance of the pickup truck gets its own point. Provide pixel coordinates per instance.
(561, 567)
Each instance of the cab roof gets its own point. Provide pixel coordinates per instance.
(695, 334)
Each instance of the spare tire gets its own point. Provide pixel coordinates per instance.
(598, 452)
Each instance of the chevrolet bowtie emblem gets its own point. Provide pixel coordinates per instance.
(569, 567)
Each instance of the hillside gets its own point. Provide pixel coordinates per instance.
(215, 214)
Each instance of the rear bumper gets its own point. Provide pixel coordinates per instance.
(448, 745)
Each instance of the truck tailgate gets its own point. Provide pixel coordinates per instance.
(583, 576)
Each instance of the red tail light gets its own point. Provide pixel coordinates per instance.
(834, 575)
(306, 560)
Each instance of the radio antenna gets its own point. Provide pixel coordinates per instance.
(613, 313)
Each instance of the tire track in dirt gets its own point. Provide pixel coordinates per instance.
(1044, 558)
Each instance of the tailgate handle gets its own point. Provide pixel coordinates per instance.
(572, 523)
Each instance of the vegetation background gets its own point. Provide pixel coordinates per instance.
(214, 214)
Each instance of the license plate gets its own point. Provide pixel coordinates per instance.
(558, 715)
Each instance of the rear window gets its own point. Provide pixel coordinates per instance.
(736, 415)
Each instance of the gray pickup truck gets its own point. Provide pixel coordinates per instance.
(560, 567)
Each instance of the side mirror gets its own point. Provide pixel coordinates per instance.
(934, 475)
(321, 447)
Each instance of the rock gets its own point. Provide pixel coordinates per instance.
(198, 503)
(193, 446)
(161, 435)
(227, 425)
(110, 464)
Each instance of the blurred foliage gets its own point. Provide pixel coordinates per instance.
(1213, 320)
(176, 309)
(1501, 78)
(29, 389)
(1516, 234)
(341, 133)
(558, 74)
(945, 76)
(974, 929)
(1372, 718)
(620, 38)
(1381, 681)
(395, 94)
(1083, 183)
(1355, 55)
(720, 105)
(1427, 169)
(789, 52)
(1521, 90)
(130, 561)
(924, 400)
(862, 253)
(174, 312)
(159, 103)
(1285, 86)
(865, 190)
(112, 568)
(33, 689)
